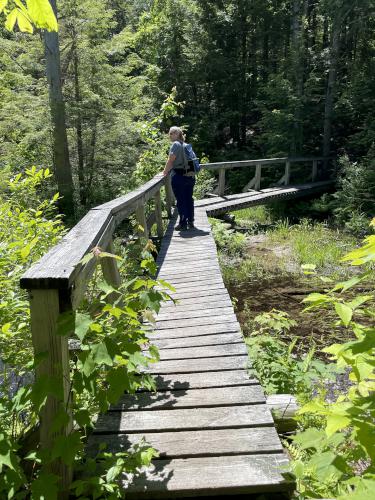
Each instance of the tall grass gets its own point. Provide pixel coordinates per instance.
(313, 243)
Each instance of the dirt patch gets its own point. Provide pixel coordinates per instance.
(284, 289)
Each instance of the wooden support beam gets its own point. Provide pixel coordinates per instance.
(258, 176)
(110, 272)
(141, 219)
(169, 197)
(158, 214)
(314, 173)
(287, 173)
(45, 309)
(221, 187)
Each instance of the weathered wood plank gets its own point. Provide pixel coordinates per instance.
(59, 267)
(193, 313)
(204, 340)
(199, 365)
(194, 398)
(210, 320)
(195, 477)
(198, 292)
(210, 351)
(222, 417)
(214, 276)
(201, 380)
(196, 443)
(191, 331)
(206, 302)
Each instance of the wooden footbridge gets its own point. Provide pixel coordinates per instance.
(208, 418)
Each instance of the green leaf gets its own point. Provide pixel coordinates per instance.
(11, 19)
(45, 487)
(41, 14)
(83, 322)
(67, 447)
(100, 354)
(336, 422)
(65, 324)
(24, 23)
(344, 312)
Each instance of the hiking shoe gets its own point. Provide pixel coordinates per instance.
(181, 227)
(190, 225)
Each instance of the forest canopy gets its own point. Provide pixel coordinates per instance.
(254, 79)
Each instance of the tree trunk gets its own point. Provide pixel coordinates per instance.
(332, 76)
(62, 167)
(81, 167)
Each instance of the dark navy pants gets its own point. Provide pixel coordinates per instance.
(183, 190)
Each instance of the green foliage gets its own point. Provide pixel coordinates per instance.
(337, 458)
(230, 242)
(29, 226)
(313, 243)
(277, 366)
(152, 132)
(36, 12)
(354, 203)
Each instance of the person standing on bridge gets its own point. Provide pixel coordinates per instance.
(183, 179)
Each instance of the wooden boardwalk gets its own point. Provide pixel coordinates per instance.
(220, 204)
(208, 418)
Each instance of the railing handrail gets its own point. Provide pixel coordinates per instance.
(264, 161)
(60, 266)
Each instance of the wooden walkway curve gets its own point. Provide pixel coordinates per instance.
(209, 419)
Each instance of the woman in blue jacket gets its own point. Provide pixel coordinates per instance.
(183, 179)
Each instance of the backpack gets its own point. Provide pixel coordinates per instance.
(190, 158)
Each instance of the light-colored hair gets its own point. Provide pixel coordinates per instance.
(179, 132)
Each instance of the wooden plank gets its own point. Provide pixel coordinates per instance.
(127, 203)
(59, 266)
(191, 276)
(199, 365)
(158, 215)
(215, 283)
(191, 331)
(45, 308)
(181, 323)
(142, 221)
(210, 351)
(203, 340)
(222, 417)
(200, 293)
(198, 312)
(194, 398)
(221, 187)
(206, 301)
(182, 265)
(188, 444)
(201, 380)
(193, 477)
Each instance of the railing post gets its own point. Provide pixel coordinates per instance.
(110, 272)
(287, 173)
(141, 219)
(221, 187)
(314, 173)
(169, 198)
(45, 308)
(258, 176)
(158, 215)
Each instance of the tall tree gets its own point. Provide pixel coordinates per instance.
(62, 167)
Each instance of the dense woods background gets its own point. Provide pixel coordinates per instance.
(254, 79)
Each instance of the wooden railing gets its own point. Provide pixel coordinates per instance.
(255, 182)
(57, 283)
